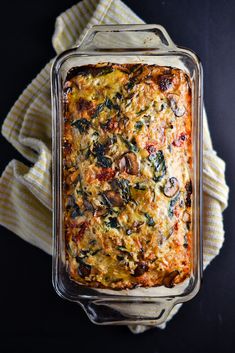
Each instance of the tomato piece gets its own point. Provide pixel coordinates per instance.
(106, 174)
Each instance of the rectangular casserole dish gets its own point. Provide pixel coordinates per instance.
(126, 44)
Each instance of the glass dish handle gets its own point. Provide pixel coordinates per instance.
(124, 312)
(126, 38)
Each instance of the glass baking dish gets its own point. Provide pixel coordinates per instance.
(148, 44)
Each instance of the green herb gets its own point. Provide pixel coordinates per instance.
(131, 145)
(140, 186)
(98, 110)
(81, 124)
(104, 162)
(87, 153)
(122, 248)
(116, 107)
(122, 186)
(189, 190)
(113, 222)
(84, 253)
(119, 95)
(150, 222)
(158, 162)
(99, 149)
(172, 205)
(164, 105)
(138, 125)
(95, 252)
(142, 111)
(130, 85)
(92, 242)
(115, 280)
(147, 120)
(106, 125)
(129, 103)
(76, 211)
(120, 257)
(108, 103)
(95, 134)
(185, 245)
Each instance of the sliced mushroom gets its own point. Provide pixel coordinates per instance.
(122, 164)
(165, 82)
(129, 163)
(177, 107)
(112, 198)
(168, 280)
(140, 269)
(68, 87)
(171, 187)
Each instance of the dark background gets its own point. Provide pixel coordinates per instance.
(33, 318)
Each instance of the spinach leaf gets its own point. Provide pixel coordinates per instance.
(104, 161)
(140, 186)
(150, 222)
(122, 186)
(138, 125)
(113, 223)
(99, 149)
(122, 248)
(81, 124)
(108, 103)
(131, 145)
(130, 85)
(142, 111)
(172, 205)
(119, 95)
(158, 162)
(98, 110)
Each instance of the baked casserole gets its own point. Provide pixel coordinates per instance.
(127, 170)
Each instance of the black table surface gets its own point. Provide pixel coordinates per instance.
(33, 318)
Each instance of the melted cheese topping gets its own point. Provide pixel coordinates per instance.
(127, 175)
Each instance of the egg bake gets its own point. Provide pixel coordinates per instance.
(127, 170)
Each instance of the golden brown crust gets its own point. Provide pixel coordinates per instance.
(127, 175)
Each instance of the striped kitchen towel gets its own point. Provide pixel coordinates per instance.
(26, 191)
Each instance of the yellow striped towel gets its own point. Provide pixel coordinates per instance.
(26, 191)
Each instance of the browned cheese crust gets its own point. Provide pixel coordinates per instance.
(127, 165)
